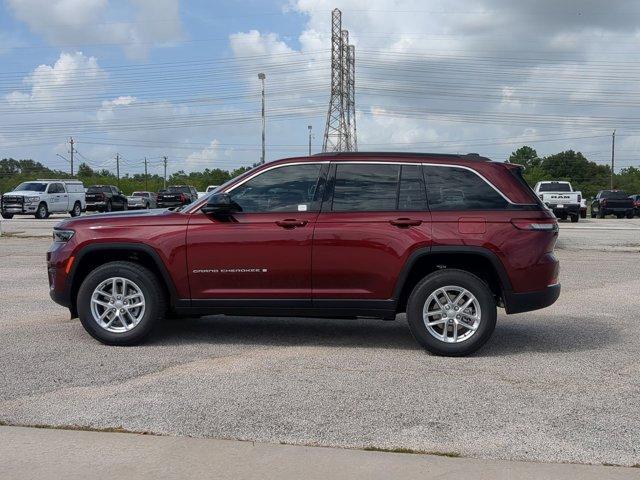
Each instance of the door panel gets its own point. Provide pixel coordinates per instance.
(250, 256)
(360, 255)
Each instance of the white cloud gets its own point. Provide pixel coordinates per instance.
(71, 76)
(142, 25)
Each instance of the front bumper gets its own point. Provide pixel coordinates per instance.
(528, 301)
(96, 206)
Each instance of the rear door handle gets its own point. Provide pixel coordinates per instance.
(291, 223)
(405, 222)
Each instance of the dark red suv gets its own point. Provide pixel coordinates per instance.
(444, 238)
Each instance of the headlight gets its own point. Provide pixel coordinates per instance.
(62, 236)
(32, 199)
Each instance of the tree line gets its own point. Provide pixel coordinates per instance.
(13, 172)
(587, 176)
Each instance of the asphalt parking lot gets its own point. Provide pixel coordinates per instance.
(557, 385)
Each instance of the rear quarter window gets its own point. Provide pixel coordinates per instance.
(453, 188)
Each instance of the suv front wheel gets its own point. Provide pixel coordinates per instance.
(120, 302)
(451, 312)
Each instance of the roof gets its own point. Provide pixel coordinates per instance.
(467, 156)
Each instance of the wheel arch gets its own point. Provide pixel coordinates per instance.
(476, 260)
(92, 256)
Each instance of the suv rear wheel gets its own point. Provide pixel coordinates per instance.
(120, 302)
(451, 312)
(7, 216)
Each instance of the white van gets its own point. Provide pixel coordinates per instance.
(44, 197)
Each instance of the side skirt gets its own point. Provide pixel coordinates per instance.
(338, 308)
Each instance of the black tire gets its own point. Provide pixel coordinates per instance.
(77, 210)
(147, 206)
(600, 214)
(630, 214)
(109, 207)
(583, 214)
(459, 278)
(619, 215)
(42, 212)
(7, 216)
(575, 218)
(151, 289)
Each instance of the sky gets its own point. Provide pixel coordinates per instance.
(149, 78)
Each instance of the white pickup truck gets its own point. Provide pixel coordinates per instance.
(561, 198)
(44, 197)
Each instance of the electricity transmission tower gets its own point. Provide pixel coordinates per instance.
(340, 129)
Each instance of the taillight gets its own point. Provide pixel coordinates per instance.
(579, 198)
(535, 225)
(183, 197)
(103, 196)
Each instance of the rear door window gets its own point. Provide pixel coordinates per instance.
(361, 187)
(452, 188)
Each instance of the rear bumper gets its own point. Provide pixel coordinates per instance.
(569, 209)
(525, 302)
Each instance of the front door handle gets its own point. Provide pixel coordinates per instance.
(291, 223)
(405, 222)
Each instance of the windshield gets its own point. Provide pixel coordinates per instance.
(99, 189)
(555, 187)
(178, 190)
(619, 195)
(31, 187)
(138, 194)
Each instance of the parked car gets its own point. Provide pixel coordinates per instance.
(105, 198)
(142, 200)
(561, 198)
(44, 197)
(177, 196)
(636, 204)
(333, 235)
(612, 202)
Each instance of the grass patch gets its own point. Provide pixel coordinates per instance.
(410, 451)
(77, 428)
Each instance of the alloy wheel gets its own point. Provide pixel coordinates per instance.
(117, 305)
(452, 314)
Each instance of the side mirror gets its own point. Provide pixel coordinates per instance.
(220, 204)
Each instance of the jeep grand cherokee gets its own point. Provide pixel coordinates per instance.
(445, 238)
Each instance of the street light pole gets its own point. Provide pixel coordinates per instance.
(310, 127)
(262, 76)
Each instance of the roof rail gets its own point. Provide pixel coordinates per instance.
(468, 156)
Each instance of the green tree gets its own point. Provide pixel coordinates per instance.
(525, 156)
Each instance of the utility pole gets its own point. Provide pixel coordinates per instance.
(118, 168)
(146, 175)
(71, 143)
(613, 155)
(262, 76)
(310, 127)
(165, 172)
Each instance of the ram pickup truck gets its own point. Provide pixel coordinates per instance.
(561, 198)
(41, 198)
